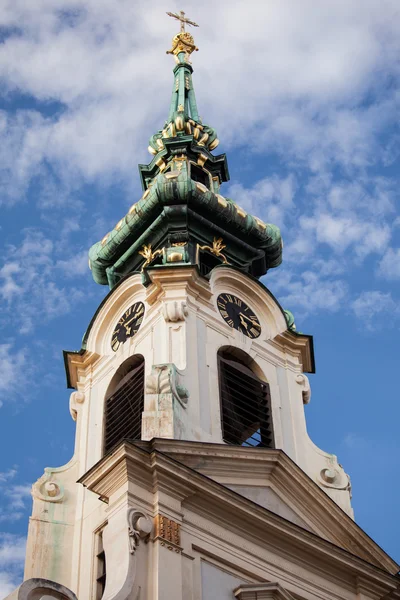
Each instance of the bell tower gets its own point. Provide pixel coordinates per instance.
(193, 476)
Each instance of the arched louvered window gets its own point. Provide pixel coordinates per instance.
(124, 405)
(245, 404)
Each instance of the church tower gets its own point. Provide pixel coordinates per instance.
(193, 476)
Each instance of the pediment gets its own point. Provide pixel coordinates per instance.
(267, 497)
(197, 475)
(270, 479)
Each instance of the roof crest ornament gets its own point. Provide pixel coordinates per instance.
(182, 41)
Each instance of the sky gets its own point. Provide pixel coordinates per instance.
(305, 97)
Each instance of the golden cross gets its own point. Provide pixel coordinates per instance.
(181, 17)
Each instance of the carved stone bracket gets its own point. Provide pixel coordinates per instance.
(139, 528)
(74, 399)
(164, 379)
(168, 532)
(302, 380)
(174, 311)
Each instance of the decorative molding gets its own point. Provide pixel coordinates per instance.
(304, 382)
(174, 310)
(187, 278)
(139, 528)
(164, 379)
(335, 478)
(74, 399)
(43, 588)
(262, 591)
(168, 532)
(48, 490)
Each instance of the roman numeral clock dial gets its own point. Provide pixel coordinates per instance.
(128, 325)
(238, 315)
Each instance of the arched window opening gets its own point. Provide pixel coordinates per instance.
(124, 404)
(245, 402)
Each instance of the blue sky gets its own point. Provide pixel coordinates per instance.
(305, 98)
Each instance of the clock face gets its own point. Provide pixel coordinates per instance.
(128, 325)
(238, 315)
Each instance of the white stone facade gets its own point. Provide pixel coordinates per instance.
(183, 515)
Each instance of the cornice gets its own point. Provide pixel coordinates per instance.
(301, 343)
(81, 359)
(223, 462)
(152, 467)
(181, 277)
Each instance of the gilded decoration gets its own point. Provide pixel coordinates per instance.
(149, 255)
(168, 532)
(217, 247)
(183, 41)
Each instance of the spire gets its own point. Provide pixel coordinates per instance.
(181, 218)
(183, 118)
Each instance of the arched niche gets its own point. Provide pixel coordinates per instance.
(124, 403)
(245, 400)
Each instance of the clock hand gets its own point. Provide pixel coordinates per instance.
(243, 322)
(133, 318)
(249, 319)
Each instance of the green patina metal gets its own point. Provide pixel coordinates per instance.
(290, 320)
(181, 212)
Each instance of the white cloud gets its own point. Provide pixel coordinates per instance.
(389, 267)
(32, 285)
(9, 288)
(6, 475)
(12, 367)
(341, 232)
(308, 292)
(75, 266)
(372, 305)
(17, 495)
(93, 58)
(12, 556)
(271, 197)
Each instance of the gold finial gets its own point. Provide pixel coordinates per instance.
(181, 17)
(183, 41)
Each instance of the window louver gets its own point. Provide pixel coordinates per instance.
(245, 406)
(124, 407)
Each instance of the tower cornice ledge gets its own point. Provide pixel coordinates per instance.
(196, 474)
